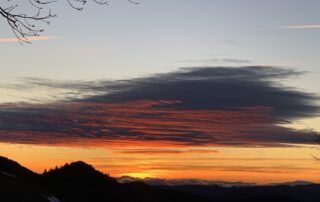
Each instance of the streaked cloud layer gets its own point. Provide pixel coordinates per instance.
(207, 106)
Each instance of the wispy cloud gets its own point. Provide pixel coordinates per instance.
(223, 60)
(310, 26)
(165, 151)
(35, 38)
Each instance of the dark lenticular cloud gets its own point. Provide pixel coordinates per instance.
(218, 88)
(206, 106)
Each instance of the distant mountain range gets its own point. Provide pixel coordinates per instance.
(80, 182)
(181, 182)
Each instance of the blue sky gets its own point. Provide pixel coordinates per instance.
(125, 40)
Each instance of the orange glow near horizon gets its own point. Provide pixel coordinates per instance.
(154, 139)
(260, 165)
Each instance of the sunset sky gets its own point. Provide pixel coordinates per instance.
(205, 89)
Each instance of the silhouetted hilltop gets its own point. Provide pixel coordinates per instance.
(78, 182)
(78, 171)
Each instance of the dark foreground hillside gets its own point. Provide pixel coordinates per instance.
(302, 193)
(80, 182)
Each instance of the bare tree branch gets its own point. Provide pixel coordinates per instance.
(25, 25)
